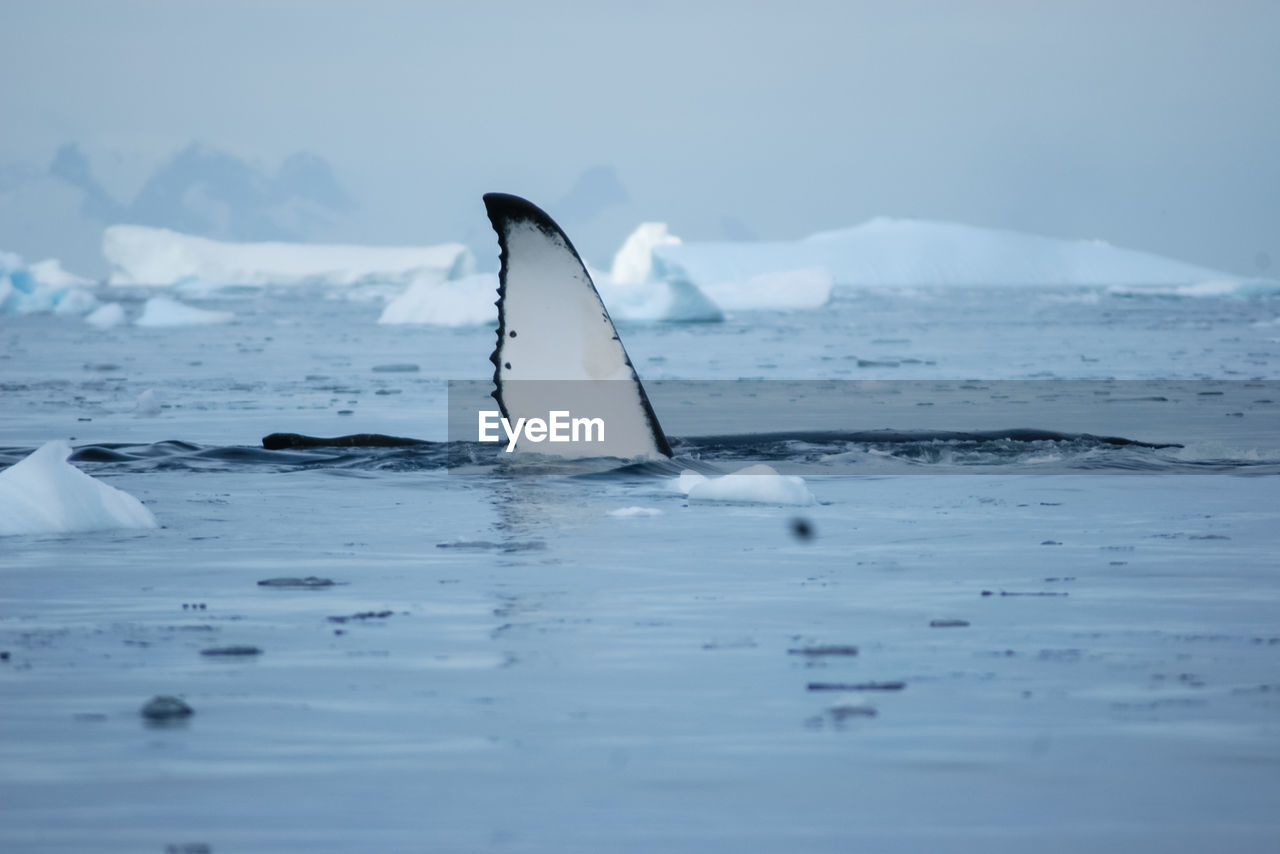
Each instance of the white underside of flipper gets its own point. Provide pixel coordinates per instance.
(557, 347)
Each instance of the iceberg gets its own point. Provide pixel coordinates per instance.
(44, 494)
(665, 293)
(633, 262)
(49, 272)
(141, 255)
(632, 293)
(106, 316)
(888, 252)
(42, 287)
(675, 300)
(468, 301)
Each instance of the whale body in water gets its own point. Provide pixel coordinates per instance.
(558, 349)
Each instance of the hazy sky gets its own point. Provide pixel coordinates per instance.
(1154, 125)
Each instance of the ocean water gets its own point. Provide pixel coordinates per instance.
(968, 644)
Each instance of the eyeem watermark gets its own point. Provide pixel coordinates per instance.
(559, 426)
(875, 427)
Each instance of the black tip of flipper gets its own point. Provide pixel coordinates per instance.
(506, 210)
(503, 207)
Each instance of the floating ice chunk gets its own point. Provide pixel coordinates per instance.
(687, 481)
(75, 301)
(468, 301)
(633, 262)
(162, 311)
(674, 300)
(758, 484)
(106, 316)
(44, 494)
(627, 512)
(42, 287)
(148, 403)
(157, 256)
(50, 272)
(633, 291)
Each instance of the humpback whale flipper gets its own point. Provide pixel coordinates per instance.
(552, 326)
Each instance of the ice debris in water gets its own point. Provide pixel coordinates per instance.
(163, 311)
(148, 404)
(633, 262)
(42, 287)
(757, 484)
(106, 316)
(44, 494)
(633, 293)
(624, 512)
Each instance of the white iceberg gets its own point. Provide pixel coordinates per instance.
(674, 300)
(757, 484)
(468, 301)
(50, 272)
(908, 253)
(633, 262)
(631, 292)
(643, 293)
(148, 404)
(162, 311)
(42, 287)
(105, 316)
(139, 255)
(44, 494)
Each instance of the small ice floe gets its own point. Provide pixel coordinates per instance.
(625, 512)
(758, 484)
(106, 316)
(148, 404)
(42, 287)
(44, 494)
(163, 311)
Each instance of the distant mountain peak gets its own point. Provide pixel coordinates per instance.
(597, 189)
(206, 191)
